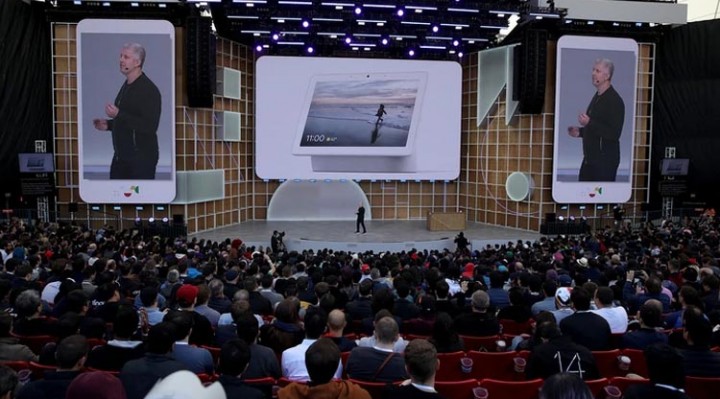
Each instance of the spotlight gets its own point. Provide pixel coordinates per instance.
(561, 218)
(310, 50)
(165, 220)
(305, 24)
(460, 54)
(151, 220)
(411, 53)
(138, 222)
(435, 29)
(358, 10)
(572, 218)
(348, 40)
(456, 42)
(275, 36)
(400, 12)
(384, 41)
(258, 48)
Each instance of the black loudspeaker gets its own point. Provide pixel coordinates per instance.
(550, 217)
(530, 60)
(72, 207)
(179, 219)
(200, 62)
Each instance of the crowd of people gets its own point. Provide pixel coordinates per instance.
(147, 308)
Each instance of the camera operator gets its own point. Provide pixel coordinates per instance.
(276, 242)
(462, 244)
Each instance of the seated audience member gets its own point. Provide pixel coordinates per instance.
(218, 301)
(234, 360)
(259, 304)
(423, 324)
(268, 292)
(285, 331)
(197, 360)
(650, 318)
(336, 326)
(479, 322)
(521, 343)
(558, 354)
(548, 303)
(8, 382)
(698, 360)
(378, 363)
(202, 333)
(264, 362)
(667, 377)
(118, 351)
(565, 386)
(361, 307)
(29, 322)
(10, 347)
(228, 331)
(96, 385)
(140, 375)
(421, 363)
(616, 316)
(369, 342)
(149, 300)
(443, 301)
(404, 306)
(172, 280)
(201, 305)
(563, 304)
(321, 359)
(585, 327)
(444, 336)
(70, 354)
(105, 302)
(518, 311)
(293, 359)
(497, 296)
(637, 294)
(239, 296)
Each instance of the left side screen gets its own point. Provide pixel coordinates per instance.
(126, 118)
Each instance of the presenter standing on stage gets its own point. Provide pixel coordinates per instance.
(360, 219)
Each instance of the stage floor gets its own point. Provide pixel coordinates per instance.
(381, 235)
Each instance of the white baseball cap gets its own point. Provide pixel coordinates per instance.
(185, 385)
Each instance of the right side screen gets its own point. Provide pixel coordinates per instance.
(596, 84)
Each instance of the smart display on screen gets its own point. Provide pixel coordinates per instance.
(342, 118)
(361, 110)
(36, 162)
(675, 167)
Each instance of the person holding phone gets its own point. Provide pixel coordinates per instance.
(600, 127)
(360, 219)
(133, 119)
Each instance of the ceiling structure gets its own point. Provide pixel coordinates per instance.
(428, 29)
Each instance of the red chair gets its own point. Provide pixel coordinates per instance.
(483, 344)
(596, 386)
(623, 382)
(206, 378)
(638, 364)
(512, 389)
(38, 370)
(260, 381)
(512, 327)
(215, 352)
(715, 349)
(36, 343)
(456, 389)
(16, 365)
(375, 389)
(495, 365)
(449, 369)
(283, 382)
(607, 363)
(702, 387)
(93, 342)
(410, 337)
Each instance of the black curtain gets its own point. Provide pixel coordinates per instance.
(687, 108)
(25, 89)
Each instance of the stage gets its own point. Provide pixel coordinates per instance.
(381, 235)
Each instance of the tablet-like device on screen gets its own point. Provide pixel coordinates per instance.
(366, 114)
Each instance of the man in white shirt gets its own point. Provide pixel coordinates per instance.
(293, 359)
(616, 316)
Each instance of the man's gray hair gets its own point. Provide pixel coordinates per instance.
(241, 295)
(138, 50)
(386, 330)
(608, 64)
(480, 300)
(216, 287)
(26, 304)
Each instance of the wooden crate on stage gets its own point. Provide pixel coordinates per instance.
(446, 221)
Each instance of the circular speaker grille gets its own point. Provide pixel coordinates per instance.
(519, 186)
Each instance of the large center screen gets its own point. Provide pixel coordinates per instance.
(357, 119)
